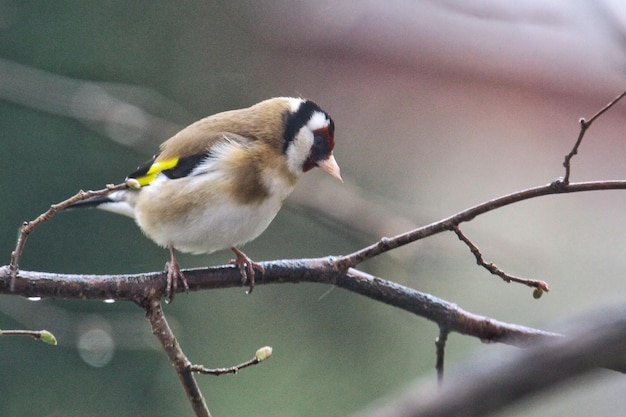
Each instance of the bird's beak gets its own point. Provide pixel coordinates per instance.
(330, 166)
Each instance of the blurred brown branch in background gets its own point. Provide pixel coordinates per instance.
(488, 385)
(127, 114)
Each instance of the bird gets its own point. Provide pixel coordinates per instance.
(219, 182)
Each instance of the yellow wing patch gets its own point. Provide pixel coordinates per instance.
(155, 169)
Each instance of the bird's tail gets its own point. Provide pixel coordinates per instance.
(93, 202)
(120, 202)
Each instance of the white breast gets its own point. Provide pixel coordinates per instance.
(209, 224)
(221, 227)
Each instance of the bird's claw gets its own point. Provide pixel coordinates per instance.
(246, 268)
(173, 275)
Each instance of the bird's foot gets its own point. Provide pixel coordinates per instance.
(246, 268)
(173, 275)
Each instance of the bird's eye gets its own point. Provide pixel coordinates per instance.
(320, 145)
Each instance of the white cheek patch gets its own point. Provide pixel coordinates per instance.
(299, 149)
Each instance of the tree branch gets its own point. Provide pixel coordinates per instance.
(440, 344)
(43, 335)
(584, 125)
(556, 187)
(260, 355)
(28, 227)
(142, 288)
(179, 361)
(539, 286)
(447, 315)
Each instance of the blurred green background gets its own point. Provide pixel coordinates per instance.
(437, 108)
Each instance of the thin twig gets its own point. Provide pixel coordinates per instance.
(163, 332)
(491, 267)
(28, 227)
(440, 344)
(584, 125)
(261, 355)
(43, 335)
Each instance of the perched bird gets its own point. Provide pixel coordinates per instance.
(219, 182)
